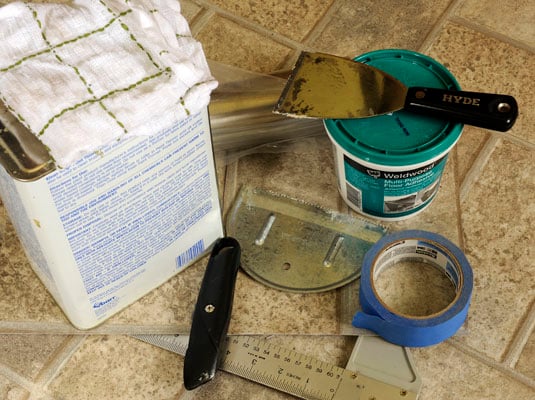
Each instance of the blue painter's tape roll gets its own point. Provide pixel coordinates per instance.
(405, 330)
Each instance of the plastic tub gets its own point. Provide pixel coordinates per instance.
(389, 166)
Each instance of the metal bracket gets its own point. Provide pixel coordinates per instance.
(295, 246)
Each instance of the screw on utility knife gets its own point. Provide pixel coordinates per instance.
(209, 308)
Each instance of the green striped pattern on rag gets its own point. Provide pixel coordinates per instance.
(85, 74)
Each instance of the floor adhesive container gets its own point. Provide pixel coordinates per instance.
(389, 166)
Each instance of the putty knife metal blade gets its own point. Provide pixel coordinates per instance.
(330, 87)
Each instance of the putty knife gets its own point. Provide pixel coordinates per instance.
(330, 87)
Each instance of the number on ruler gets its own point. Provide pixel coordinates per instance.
(301, 375)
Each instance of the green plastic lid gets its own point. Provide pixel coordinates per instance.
(400, 138)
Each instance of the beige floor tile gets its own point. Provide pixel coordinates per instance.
(513, 19)
(10, 391)
(416, 289)
(468, 148)
(449, 374)
(481, 63)
(242, 48)
(497, 219)
(22, 295)
(118, 367)
(362, 26)
(290, 19)
(526, 363)
(259, 309)
(28, 354)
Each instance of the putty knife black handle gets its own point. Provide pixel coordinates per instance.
(212, 313)
(485, 110)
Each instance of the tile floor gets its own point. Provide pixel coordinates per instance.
(485, 205)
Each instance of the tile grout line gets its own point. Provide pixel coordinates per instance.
(477, 167)
(39, 396)
(484, 359)
(67, 330)
(450, 16)
(436, 29)
(15, 327)
(516, 140)
(201, 20)
(483, 157)
(245, 23)
(313, 34)
(457, 181)
(520, 339)
(16, 378)
(489, 32)
(55, 364)
(321, 24)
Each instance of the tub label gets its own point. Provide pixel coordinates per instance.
(391, 193)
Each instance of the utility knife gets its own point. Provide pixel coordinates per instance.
(212, 313)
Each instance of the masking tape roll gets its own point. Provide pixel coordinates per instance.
(405, 330)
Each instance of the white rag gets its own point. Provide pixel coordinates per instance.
(84, 74)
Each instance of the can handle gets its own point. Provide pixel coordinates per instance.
(485, 110)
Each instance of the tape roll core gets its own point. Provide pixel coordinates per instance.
(409, 330)
(378, 266)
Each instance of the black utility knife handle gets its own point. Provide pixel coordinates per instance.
(212, 313)
(485, 110)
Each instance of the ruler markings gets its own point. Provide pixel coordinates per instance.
(283, 369)
(294, 373)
